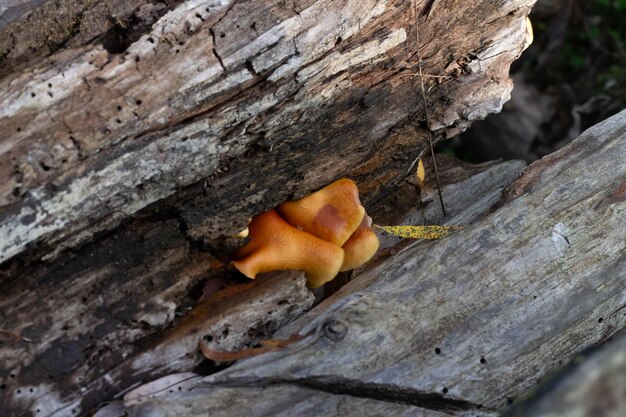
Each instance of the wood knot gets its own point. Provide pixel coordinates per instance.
(335, 330)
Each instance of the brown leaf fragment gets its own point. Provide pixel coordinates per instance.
(618, 196)
(271, 345)
(16, 336)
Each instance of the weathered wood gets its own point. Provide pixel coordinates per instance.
(291, 400)
(226, 108)
(31, 30)
(71, 365)
(134, 160)
(465, 324)
(594, 384)
(274, 301)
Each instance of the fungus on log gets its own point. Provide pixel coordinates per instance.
(134, 138)
(464, 325)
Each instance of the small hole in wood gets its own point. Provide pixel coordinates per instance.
(118, 121)
(444, 390)
(49, 85)
(338, 41)
(119, 108)
(137, 59)
(483, 360)
(150, 40)
(33, 94)
(19, 129)
(437, 351)
(139, 102)
(222, 34)
(600, 320)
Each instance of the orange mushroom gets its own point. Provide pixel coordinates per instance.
(276, 245)
(332, 213)
(361, 246)
(320, 234)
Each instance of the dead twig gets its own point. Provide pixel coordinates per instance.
(16, 336)
(423, 90)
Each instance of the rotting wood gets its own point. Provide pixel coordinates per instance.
(470, 321)
(176, 350)
(132, 164)
(220, 102)
(74, 364)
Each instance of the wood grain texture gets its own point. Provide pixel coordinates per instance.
(135, 138)
(77, 359)
(468, 323)
(594, 384)
(222, 109)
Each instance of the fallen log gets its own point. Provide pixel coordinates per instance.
(132, 148)
(221, 102)
(460, 326)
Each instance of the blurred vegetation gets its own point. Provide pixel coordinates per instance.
(573, 75)
(587, 49)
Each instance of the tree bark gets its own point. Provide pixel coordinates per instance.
(225, 109)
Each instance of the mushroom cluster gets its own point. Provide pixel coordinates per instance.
(321, 234)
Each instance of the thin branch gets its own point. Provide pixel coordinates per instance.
(430, 137)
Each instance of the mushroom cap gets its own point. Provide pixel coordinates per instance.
(276, 245)
(360, 248)
(332, 213)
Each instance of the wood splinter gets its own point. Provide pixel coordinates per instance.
(271, 345)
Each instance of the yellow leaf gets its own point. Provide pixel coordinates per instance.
(419, 232)
(421, 173)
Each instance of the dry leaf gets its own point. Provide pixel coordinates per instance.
(420, 175)
(419, 232)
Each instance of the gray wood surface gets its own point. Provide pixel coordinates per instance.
(463, 325)
(592, 385)
(135, 138)
(221, 109)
